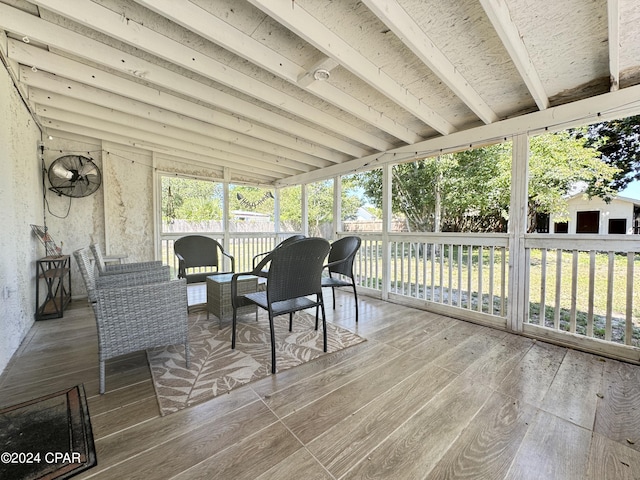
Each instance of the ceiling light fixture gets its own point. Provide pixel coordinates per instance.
(321, 74)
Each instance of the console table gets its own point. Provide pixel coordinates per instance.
(55, 272)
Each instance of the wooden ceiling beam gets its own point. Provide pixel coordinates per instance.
(306, 26)
(81, 113)
(406, 29)
(56, 36)
(500, 18)
(135, 138)
(217, 31)
(223, 125)
(109, 22)
(47, 89)
(613, 17)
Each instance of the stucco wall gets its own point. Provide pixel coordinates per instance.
(119, 216)
(74, 222)
(128, 196)
(21, 201)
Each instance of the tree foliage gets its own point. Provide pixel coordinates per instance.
(202, 200)
(618, 142)
(473, 187)
(190, 199)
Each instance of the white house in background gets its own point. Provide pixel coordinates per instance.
(594, 216)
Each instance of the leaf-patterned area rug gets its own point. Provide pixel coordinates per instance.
(216, 369)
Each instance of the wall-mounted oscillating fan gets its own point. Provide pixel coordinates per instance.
(74, 176)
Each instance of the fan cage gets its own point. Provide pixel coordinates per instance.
(74, 176)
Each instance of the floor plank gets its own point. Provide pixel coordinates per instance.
(553, 449)
(618, 406)
(574, 392)
(426, 396)
(486, 448)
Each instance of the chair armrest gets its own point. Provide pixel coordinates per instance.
(130, 267)
(182, 270)
(143, 316)
(233, 260)
(127, 279)
(234, 286)
(253, 262)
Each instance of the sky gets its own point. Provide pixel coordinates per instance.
(632, 190)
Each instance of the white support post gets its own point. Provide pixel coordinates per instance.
(276, 213)
(386, 228)
(304, 206)
(337, 207)
(157, 209)
(226, 178)
(518, 282)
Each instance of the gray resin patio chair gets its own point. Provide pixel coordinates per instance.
(340, 267)
(294, 275)
(198, 252)
(105, 269)
(135, 310)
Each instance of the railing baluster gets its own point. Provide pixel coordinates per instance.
(480, 273)
(610, 270)
(469, 277)
(574, 292)
(450, 286)
(503, 283)
(543, 287)
(491, 278)
(628, 335)
(527, 299)
(592, 278)
(460, 256)
(556, 317)
(424, 269)
(433, 272)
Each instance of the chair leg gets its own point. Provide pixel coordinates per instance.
(273, 344)
(317, 309)
(333, 292)
(355, 299)
(233, 330)
(324, 325)
(102, 375)
(291, 321)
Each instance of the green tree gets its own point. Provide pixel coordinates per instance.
(193, 200)
(473, 187)
(557, 163)
(618, 142)
(291, 208)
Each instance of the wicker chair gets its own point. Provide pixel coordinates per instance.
(295, 273)
(340, 267)
(135, 311)
(105, 269)
(197, 251)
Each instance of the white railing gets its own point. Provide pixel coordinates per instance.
(580, 290)
(585, 288)
(461, 275)
(243, 247)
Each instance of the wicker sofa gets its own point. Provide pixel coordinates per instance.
(135, 310)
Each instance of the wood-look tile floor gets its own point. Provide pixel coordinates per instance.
(426, 396)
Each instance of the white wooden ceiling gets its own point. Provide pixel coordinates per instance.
(233, 84)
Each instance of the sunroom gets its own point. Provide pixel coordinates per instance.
(269, 101)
